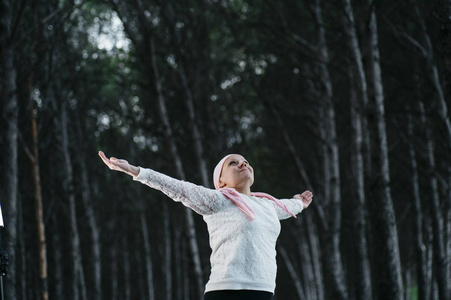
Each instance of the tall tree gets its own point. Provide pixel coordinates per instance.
(332, 251)
(384, 221)
(78, 285)
(9, 174)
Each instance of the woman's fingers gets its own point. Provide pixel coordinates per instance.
(105, 159)
(307, 196)
(109, 162)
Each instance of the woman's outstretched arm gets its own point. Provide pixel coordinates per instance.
(119, 165)
(200, 199)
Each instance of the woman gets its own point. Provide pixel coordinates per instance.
(243, 226)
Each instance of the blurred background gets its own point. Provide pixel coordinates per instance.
(349, 99)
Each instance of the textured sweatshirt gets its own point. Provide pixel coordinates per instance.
(243, 250)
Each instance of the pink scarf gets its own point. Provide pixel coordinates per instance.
(236, 198)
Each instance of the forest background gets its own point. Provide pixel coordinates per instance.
(349, 99)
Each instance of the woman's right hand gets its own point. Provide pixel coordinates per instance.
(119, 165)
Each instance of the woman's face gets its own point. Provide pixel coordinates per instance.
(236, 172)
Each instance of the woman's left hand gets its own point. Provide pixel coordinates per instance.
(306, 198)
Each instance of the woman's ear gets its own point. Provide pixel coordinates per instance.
(221, 184)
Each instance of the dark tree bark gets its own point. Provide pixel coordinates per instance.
(441, 263)
(149, 56)
(33, 155)
(150, 293)
(331, 237)
(78, 286)
(359, 101)
(423, 284)
(364, 287)
(179, 170)
(292, 271)
(384, 221)
(9, 174)
(94, 260)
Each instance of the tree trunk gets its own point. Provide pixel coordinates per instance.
(167, 252)
(356, 56)
(307, 218)
(434, 75)
(9, 174)
(56, 259)
(147, 253)
(363, 287)
(307, 272)
(444, 12)
(94, 260)
(189, 101)
(149, 43)
(384, 225)
(292, 271)
(39, 213)
(179, 169)
(114, 271)
(332, 254)
(420, 246)
(127, 294)
(76, 284)
(442, 219)
(438, 219)
(178, 263)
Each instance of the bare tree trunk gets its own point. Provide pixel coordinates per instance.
(189, 101)
(428, 53)
(363, 288)
(39, 213)
(292, 271)
(356, 56)
(77, 285)
(307, 218)
(21, 249)
(420, 247)
(442, 222)
(178, 263)
(149, 43)
(332, 254)
(167, 252)
(9, 174)
(308, 265)
(384, 225)
(437, 220)
(147, 253)
(94, 260)
(179, 170)
(114, 271)
(448, 221)
(57, 258)
(126, 265)
(428, 238)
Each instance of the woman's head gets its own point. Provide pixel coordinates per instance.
(233, 171)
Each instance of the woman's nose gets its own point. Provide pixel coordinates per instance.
(242, 164)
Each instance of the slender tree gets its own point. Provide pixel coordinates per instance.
(332, 254)
(9, 174)
(384, 224)
(423, 284)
